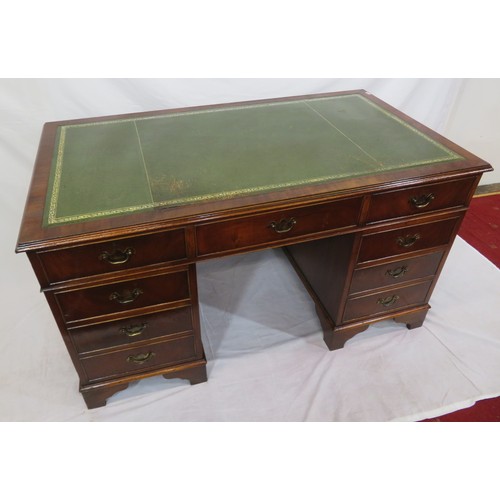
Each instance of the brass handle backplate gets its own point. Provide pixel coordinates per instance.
(283, 226)
(118, 256)
(408, 240)
(388, 301)
(422, 201)
(126, 297)
(139, 359)
(396, 273)
(133, 330)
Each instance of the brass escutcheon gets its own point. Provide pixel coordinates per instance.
(283, 226)
(396, 273)
(388, 301)
(126, 297)
(408, 241)
(133, 330)
(139, 359)
(118, 256)
(422, 201)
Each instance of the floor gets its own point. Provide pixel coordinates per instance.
(480, 229)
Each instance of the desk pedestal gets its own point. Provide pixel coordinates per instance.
(352, 290)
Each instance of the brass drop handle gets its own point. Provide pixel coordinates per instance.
(388, 301)
(408, 241)
(283, 226)
(118, 256)
(133, 330)
(126, 297)
(139, 359)
(422, 201)
(396, 273)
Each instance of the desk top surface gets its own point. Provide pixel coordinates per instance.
(107, 167)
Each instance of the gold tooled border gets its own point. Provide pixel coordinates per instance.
(54, 219)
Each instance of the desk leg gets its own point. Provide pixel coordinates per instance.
(96, 397)
(195, 375)
(335, 337)
(414, 319)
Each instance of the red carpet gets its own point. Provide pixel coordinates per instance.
(480, 226)
(480, 230)
(486, 410)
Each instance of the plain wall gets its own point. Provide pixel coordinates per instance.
(474, 122)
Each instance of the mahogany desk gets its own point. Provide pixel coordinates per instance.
(365, 201)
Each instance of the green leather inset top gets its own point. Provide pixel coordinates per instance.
(121, 166)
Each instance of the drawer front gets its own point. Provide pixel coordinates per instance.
(276, 226)
(380, 303)
(406, 239)
(90, 260)
(127, 331)
(140, 359)
(420, 199)
(123, 296)
(395, 272)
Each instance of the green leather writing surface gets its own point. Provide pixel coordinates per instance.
(107, 168)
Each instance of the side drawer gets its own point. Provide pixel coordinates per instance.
(406, 239)
(123, 296)
(419, 199)
(113, 255)
(382, 302)
(395, 272)
(130, 330)
(140, 359)
(276, 226)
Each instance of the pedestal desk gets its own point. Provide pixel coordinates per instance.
(364, 200)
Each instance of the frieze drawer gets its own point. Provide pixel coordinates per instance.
(113, 255)
(276, 226)
(420, 199)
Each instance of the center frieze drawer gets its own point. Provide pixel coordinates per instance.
(276, 226)
(123, 296)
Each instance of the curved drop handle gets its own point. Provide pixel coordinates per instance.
(133, 330)
(388, 301)
(283, 226)
(396, 273)
(408, 241)
(118, 256)
(139, 359)
(126, 297)
(422, 201)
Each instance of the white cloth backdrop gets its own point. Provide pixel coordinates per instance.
(266, 357)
